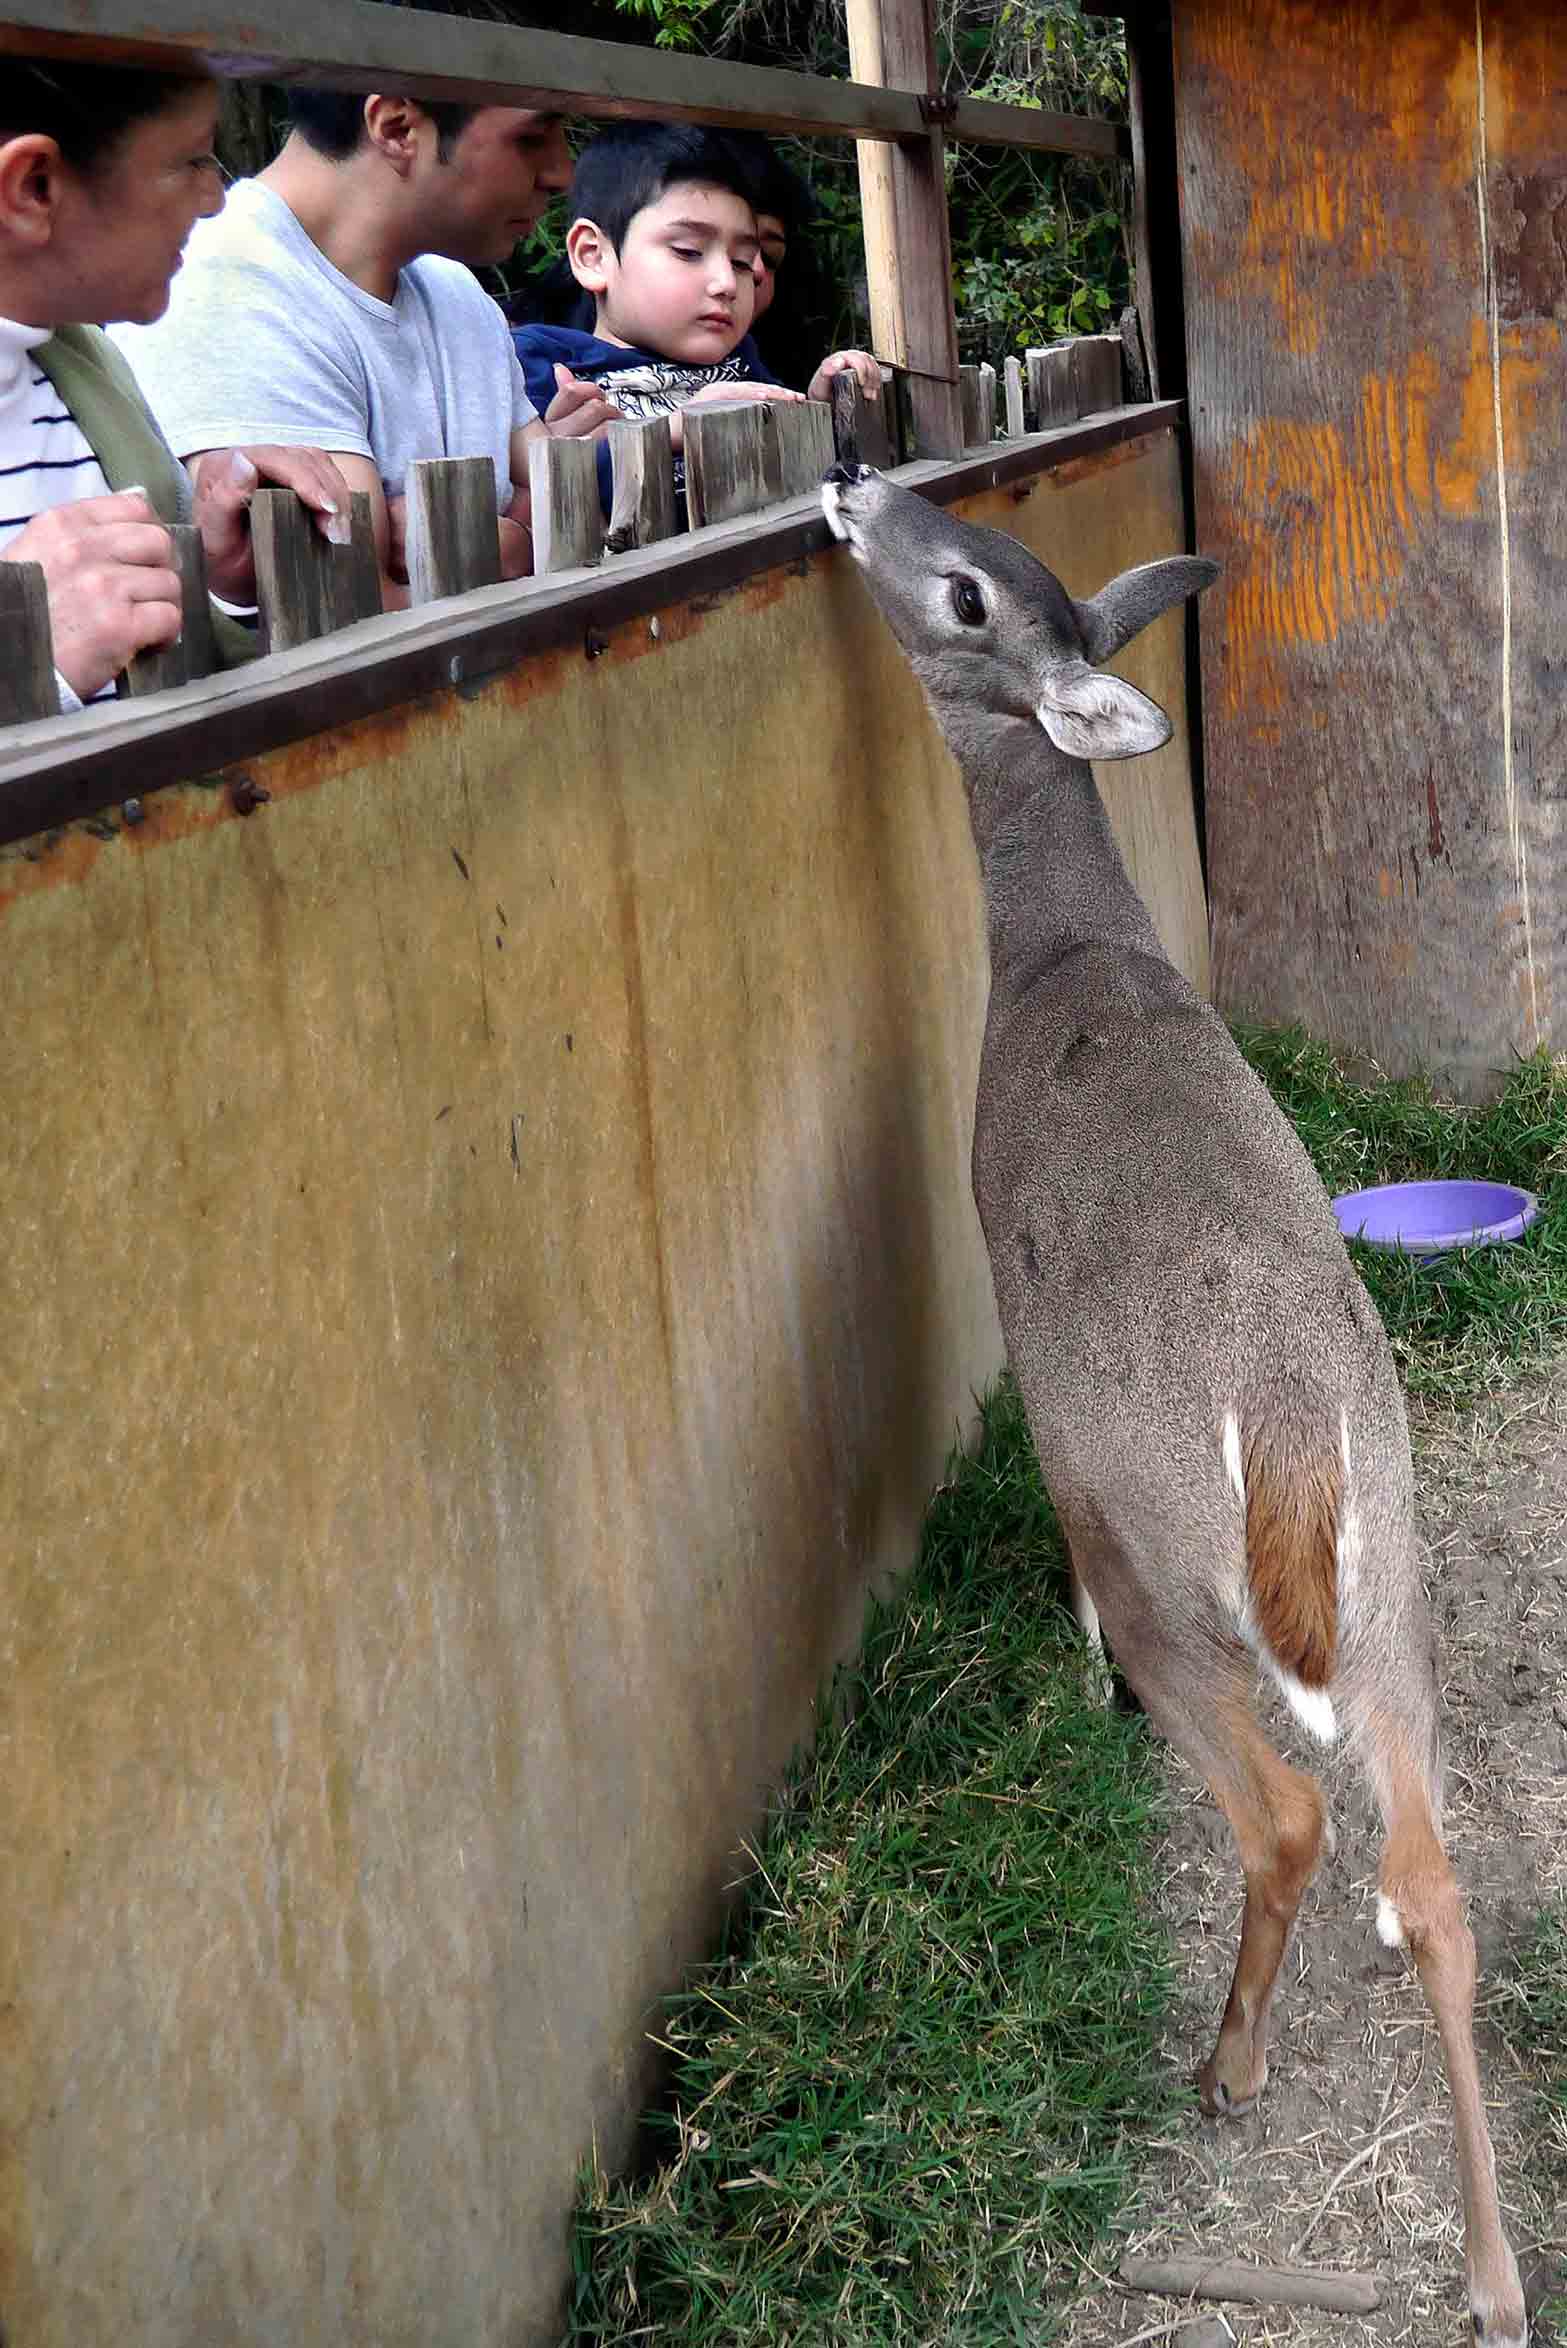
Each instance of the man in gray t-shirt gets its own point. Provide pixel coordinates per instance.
(332, 305)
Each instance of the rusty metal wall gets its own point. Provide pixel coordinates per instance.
(489, 1275)
(1371, 207)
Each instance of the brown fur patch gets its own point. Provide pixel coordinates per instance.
(1292, 1505)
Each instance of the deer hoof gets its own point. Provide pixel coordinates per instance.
(1498, 2314)
(1225, 2099)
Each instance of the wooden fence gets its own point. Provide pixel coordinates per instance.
(741, 457)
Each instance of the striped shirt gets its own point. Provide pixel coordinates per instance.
(44, 457)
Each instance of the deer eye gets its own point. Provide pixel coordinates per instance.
(968, 602)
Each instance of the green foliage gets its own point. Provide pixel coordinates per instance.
(901, 2107)
(677, 24)
(1475, 1320)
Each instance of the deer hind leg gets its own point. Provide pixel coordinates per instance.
(1421, 1910)
(1200, 1694)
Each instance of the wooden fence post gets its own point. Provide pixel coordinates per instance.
(1096, 372)
(726, 461)
(568, 521)
(1014, 387)
(1050, 386)
(903, 197)
(642, 466)
(27, 686)
(453, 532)
(978, 386)
(797, 446)
(193, 652)
(304, 587)
(860, 422)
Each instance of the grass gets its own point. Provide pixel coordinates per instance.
(901, 2106)
(1538, 2024)
(1539, 1998)
(1469, 1323)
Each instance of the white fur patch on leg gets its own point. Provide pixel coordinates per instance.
(1231, 1439)
(1390, 1925)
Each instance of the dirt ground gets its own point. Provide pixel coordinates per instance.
(1355, 2063)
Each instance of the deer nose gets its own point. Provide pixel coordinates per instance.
(846, 475)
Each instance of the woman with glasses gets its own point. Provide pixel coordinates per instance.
(103, 173)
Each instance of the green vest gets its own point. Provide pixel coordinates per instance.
(102, 394)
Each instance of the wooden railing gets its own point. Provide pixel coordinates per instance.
(741, 458)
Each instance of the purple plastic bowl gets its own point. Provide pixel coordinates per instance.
(1424, 1218)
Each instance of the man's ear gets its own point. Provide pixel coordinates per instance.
(30, 169)
(590, 254)
(392, 126)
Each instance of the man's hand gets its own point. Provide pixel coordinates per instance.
(108, 565)
(579, 410)
(226, 479)
(865, 370)
(713, 394)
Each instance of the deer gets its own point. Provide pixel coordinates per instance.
(1209, 1388)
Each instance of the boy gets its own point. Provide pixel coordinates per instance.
(663, 237)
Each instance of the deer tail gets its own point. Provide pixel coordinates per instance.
(1292, 1483)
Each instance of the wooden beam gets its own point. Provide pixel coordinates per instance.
(979, 122)
(57, 772)
(362, 45)
(1156, 206)
(903, 197)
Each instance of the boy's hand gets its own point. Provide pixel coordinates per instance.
(226, 479)
(578, 409)
(108, 565)
(865, 370)
(715, 394)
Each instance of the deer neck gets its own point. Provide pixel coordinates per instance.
(1053, 874)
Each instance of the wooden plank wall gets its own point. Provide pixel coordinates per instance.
(1375, 287)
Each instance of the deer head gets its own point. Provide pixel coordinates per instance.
(988, 628)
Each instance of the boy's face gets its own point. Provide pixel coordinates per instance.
(682, 284)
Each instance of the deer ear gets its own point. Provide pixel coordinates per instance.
(1124, 608)
(1092, 716)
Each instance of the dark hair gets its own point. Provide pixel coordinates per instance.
(85, 109)
(333, 121)
(780, 190)
(630, 164)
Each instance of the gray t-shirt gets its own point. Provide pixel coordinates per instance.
(264, 341)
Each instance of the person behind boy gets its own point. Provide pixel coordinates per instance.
(333, 304)
(663, 237)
